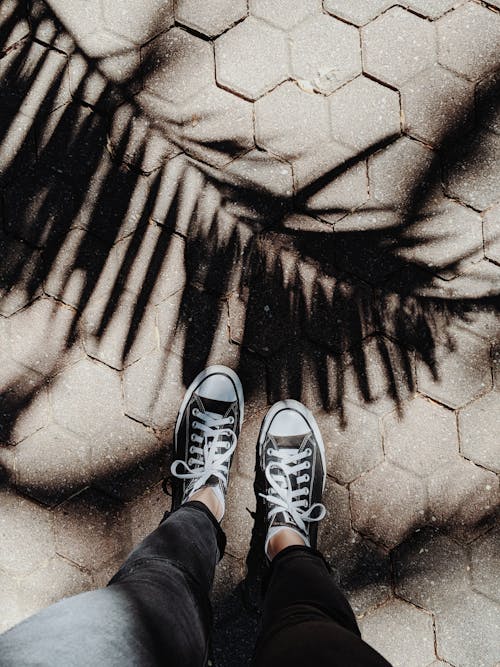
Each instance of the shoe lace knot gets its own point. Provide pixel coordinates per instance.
(212, 443)
(282, 496)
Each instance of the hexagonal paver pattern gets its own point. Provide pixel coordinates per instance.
(139, 23)
(485, 552)
(12, 18)
(403, 634)
(15, 288)
(479, 425)
(423, 440)
(472, 176)
(387, 504)
(399, 173)
(466, 632)
(284, 14)
(459, 48)
(325, 53)
(255, 42)
(462, 496)
(26, 534)
(52, 464)
(487, 108)
(397, 46)
(212, 17)
(289, 109)
(364, 113)
(462, 371)
(491, 233)
(88, 530)
(359, 12)
(177, 65)
(435, 104)
(258, 169)
(353, 445)
(431, 569)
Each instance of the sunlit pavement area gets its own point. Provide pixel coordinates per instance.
(306, 192)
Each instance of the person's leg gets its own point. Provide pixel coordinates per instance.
(306, 618)
(156, 609)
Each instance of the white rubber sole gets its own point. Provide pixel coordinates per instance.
(206, 372)
(291, 404)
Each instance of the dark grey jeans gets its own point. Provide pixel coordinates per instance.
(156, 610)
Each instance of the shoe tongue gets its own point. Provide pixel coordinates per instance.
(289, 442)
(213, 407)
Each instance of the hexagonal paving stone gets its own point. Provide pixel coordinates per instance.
(336, 539)
(424, 439)
(435, 104)
(325, 53)
(128, 334)
(479, 425)
(353, 445)
(472, 176)
(238, 524)
(177, 65)
(484, 553)
(88, 530)
(24, 407)
(13, 600)
(359, 12)
(39, 337)
(251, 58)
(217, 126)
(431, 569)
(26, 534)
(491, 233)
(399, 173)
(466, 631)
(431, 8)
(146, 512)
(213, 17)
(52, 464)
(387, 504)
(461, 373)
(364, 113)
(445, 238)
(462, 497)
(366, 578)
(380, 375)
(290, 112)
(86, 399)
(468, 40)
(118, 58)
(397, 46)
(403, 634)
(284, 14)
(139, 23)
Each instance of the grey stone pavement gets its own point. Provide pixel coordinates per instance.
(307, 192)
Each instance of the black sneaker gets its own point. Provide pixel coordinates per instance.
(206, 432)
(292, 458)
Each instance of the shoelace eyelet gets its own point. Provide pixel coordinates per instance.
(307, 464)
(193, 437)
(308, 451)
(195, 412)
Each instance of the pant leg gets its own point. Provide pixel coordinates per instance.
(307, 620)
(155, 610)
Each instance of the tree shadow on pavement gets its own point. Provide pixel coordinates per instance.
(98, 220)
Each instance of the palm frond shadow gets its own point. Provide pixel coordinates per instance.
(86, 223)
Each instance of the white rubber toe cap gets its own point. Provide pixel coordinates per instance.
(217, 387)
(289, 422)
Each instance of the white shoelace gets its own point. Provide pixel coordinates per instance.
(210, 454)
(285, 498)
